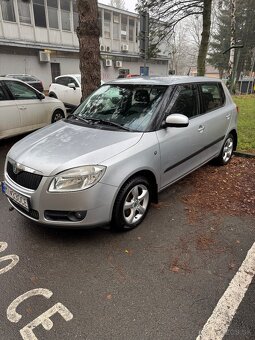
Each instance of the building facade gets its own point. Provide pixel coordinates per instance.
(38, 37)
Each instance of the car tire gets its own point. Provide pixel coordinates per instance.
(53, 95)
(131, 205)
(226, 151)
(57, 115)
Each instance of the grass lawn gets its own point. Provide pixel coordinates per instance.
(246, 122)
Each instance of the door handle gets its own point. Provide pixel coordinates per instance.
(22, 107)
(201, 128)
(228, 116)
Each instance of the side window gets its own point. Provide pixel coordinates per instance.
(73, 80)
(21, 91)
(63, 81)
(212, 96)
(2, 94)
(185, 100)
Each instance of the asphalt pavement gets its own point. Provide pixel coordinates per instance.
(159, 281)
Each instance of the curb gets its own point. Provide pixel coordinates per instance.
(244, 154)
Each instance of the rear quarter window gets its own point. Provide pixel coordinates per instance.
(213, 96)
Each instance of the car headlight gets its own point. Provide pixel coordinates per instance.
(77, 178)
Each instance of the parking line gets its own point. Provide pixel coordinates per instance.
(218, 323)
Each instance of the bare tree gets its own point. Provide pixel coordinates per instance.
(118, 4)
(203, 49)
(232, 36)
(88, 34)
(170, 12)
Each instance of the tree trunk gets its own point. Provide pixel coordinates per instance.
(205, 38)
(88, 34)
(232, 37)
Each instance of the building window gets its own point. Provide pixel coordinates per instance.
(75, 15)
(65, 14)
(107, 24)
(53, 13)
(116, 17)
(39, 13)
(116, 26)
(123, 27)
(8, 10)
(24, 11)
(131, 29)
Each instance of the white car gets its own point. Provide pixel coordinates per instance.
(67, 88)
(24, 109)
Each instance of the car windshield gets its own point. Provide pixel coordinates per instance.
(129, 106)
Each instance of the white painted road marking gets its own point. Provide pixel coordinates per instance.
(13, 258)
(12, 315)
(44, 319)
(217, 325)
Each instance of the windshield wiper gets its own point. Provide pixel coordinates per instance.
(71, 115)
(107, 122)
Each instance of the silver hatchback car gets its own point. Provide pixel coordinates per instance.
(124, 144)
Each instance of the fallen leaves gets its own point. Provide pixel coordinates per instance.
(228, 190)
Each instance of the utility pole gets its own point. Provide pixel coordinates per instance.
(144, 37)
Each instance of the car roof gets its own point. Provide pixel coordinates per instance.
(20, 81)
(6, 78)
(170, 80)
(69, 75)
(18, 74)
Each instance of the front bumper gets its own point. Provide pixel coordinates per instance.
(96, 203)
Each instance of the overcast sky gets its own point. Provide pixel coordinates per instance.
(130, 4)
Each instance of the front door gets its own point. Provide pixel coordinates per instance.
(182, 148)
(32, 111)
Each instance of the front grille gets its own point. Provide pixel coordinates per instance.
(32, 213)
(25, 179)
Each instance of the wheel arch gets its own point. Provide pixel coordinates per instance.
(57, 109)
(148, 174)
(234, 134)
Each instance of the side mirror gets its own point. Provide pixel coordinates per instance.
(72, 86)
(41, 96)
(177, 120)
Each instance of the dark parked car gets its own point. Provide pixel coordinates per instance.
(27, 78)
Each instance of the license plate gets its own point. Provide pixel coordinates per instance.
(21, 200)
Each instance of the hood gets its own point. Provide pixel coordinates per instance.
(62, 146)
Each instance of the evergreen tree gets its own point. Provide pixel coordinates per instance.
(245, 34)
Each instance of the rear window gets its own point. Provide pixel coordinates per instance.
(213, 96)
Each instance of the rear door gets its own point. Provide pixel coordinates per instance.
(217, 116)
(9, 114)
(182, 148)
